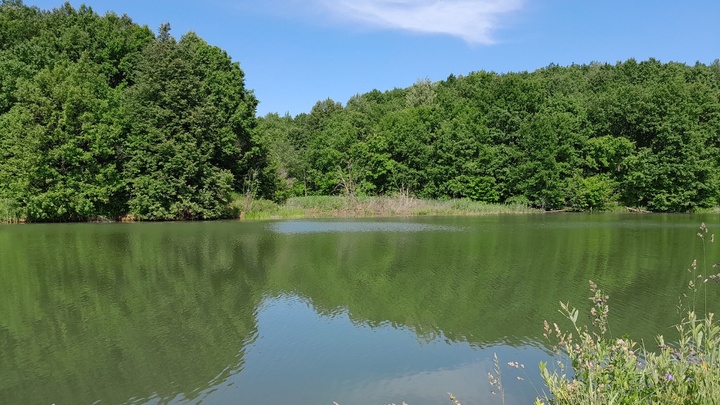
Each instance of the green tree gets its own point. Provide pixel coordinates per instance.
(285, 159)
(190, 122)
(422, 93)
(61, 140)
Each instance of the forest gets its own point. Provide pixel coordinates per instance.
(101, 118)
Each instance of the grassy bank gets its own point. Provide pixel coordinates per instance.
(341, 207)
(711, 210)
(346, 207)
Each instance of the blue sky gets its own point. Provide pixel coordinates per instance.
(297, 52)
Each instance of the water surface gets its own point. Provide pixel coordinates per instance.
(309, 312)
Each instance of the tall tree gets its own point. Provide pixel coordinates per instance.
(60, 142)
(190, 142)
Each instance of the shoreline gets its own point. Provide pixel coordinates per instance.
(326, 207)
(250, 209)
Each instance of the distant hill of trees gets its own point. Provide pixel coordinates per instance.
(100, 117)
(641, 134)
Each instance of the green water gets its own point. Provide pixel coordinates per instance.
(310, 312)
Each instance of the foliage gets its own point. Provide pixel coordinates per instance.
(586, 137)
(100, 120)
(189, 131)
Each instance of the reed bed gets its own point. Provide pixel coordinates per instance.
(8, 211)
(371, 206)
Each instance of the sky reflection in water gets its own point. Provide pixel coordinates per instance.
(336, 359)
(299, 227)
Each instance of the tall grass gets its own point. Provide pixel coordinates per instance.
(365, 206)
(9, 212)
(605, 369)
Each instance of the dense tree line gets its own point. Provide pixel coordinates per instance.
(642, 134)
(99, 117)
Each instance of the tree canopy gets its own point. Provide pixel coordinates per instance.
(101, 118)
(642, 134)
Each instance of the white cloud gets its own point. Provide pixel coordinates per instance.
(472, 20)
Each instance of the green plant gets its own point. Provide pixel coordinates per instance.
(9, 212)
(607, 370)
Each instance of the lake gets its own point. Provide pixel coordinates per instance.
(361, 311)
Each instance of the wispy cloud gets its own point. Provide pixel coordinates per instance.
(472, 20)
